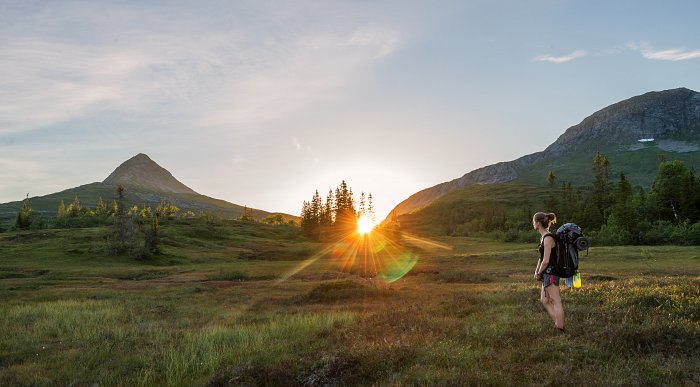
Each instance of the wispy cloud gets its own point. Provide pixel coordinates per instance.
(673, 54)
(183, 70)
(560, 59)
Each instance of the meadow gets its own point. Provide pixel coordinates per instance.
(236, 303)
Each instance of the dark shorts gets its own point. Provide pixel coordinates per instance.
(548, 279)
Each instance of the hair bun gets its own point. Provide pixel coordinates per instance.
(552, 217)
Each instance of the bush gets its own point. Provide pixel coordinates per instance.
(611, 235)
(658, 234)
(516, 235)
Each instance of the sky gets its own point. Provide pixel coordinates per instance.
(260, 103)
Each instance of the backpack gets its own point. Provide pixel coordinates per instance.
(569, 241)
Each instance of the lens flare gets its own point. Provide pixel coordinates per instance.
(378, 255)
(400, 268)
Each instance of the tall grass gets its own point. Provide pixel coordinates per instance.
(466, 316)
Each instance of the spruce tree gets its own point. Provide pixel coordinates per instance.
(327, 219)
(100, 208)
(597, 210)
(24, 216)
(623, 212)
(362, 204)
(669, 190)
(552, 204)
(74, 208)
(306, 218)
(123, 227)
(61, 210)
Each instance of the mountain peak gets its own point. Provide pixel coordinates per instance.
(650, 115)
(142, 173)
(670, 117)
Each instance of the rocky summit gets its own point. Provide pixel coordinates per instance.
(143, 174)
(634, 132)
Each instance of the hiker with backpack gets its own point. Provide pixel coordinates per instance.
(549, 295)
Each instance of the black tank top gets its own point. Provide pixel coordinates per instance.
(552, 254)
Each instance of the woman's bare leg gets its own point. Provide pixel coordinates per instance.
(546, 302)
(557, 307)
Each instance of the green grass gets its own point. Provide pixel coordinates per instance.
(227, 304)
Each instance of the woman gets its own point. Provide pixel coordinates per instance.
(549, 295)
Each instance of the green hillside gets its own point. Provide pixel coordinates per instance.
(471, 208)
(89, 194)
(145, 182)
(640, 166)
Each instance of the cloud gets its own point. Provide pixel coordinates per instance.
(175, 68)
(299, 73)
(560, 59)
(673, 54)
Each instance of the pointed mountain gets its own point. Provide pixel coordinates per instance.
(634, 133)
(143, 174)
(145, 182)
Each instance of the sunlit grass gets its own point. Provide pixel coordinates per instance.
(370, 310)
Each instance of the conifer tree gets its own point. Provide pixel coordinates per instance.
(151, 238)
(596, 211)
(61, 210)
(74, 208)
(361, 210)
(100, 208)
(370, 208)
(123, 226)
(328, 215)
(552, 202)
(24, 216)
(669, 190)
(306, 218)
(623, 213)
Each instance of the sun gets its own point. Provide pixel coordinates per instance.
(364, 225)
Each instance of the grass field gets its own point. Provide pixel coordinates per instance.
(248, 304)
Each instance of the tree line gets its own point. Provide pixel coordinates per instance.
(618, 213)
(77, 215)
(337, 215)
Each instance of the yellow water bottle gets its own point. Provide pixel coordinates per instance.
(577, 280)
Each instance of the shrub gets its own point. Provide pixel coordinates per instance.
(611, 235)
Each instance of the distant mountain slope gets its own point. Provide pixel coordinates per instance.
(145, 182)
(671, 118)
(143, 174)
